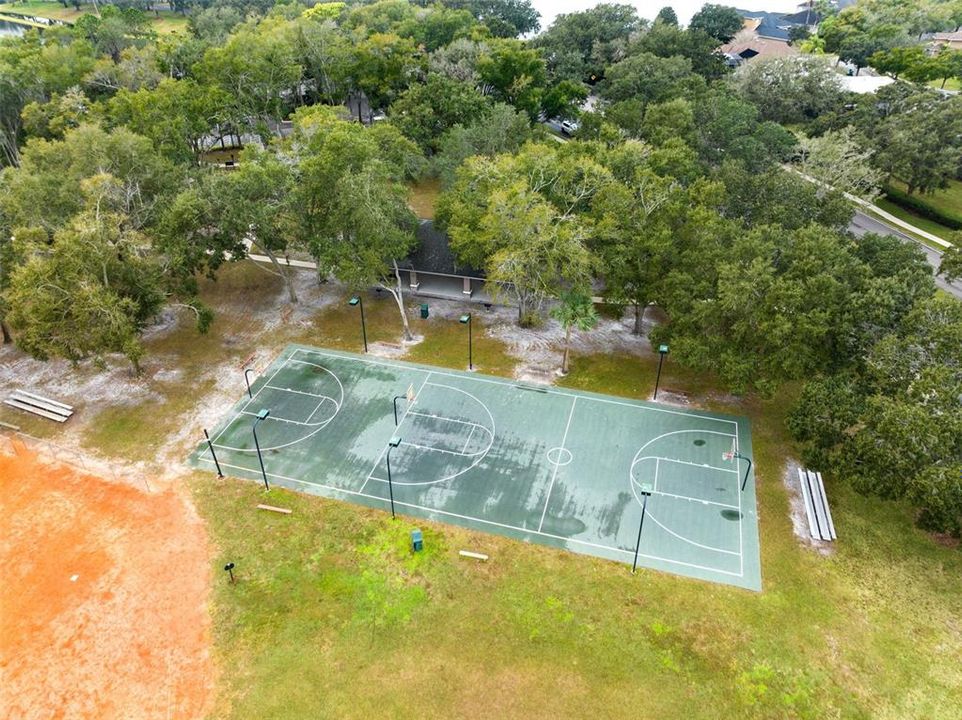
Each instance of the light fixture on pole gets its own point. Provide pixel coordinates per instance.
(646, 490)
(466, 320)
(247, 379)
(735, 455)
(262, 415)
(662, 351)
(392, 443)
(356, 301)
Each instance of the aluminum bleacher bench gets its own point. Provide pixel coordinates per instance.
(819, 515)
(39, 405)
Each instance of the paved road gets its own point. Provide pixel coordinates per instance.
(865, 224)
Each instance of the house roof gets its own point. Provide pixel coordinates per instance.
(803, 17)
(433, 254)
(769, 24)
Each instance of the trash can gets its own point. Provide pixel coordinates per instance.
(424, 310)
(417, 541)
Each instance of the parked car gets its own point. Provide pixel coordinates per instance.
(569, 127)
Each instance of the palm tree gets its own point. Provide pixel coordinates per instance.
(575, 311)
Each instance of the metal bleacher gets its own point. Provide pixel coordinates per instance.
(816, 505)
(39, 405)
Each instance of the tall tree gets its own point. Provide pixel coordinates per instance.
(575, 311)
(718, 21)
(504, 18)
(920, 139)
(515, 74)
(255, 67)
(790, 90)
(839, 160)
(424, 112)
(580, 45)
(48, 188)
(648, 78)
(352, 212)
(667, 16)
(88, 294)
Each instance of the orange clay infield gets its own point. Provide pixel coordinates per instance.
(103, 597)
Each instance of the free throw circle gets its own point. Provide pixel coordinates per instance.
(559, 456)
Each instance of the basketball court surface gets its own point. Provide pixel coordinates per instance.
(548, 465)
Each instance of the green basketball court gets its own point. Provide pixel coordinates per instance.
(558, 467)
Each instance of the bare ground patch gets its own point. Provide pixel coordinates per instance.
(104, 599)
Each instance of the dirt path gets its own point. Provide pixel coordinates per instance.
(103, 599)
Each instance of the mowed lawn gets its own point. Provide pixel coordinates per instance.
(333, 616)
(923, 223)
(162, 21)
(948, 201)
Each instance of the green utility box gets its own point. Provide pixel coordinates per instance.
(417, 539)
(424, 310)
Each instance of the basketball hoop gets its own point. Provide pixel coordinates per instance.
(729, 456)
(411, 395)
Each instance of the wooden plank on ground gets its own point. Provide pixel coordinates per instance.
(818, 504)
(55, 403)
(822, 497)
(42, 404)
(35, 410)
(473, 555)
(807, 497)
(271, 508)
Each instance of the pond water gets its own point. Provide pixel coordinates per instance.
(9, 29)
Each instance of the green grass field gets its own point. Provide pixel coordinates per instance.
(948, 201)
(423, 196)
(918, 221)
(330, 598)
(163, 22)
(333, 617)
(950, 84)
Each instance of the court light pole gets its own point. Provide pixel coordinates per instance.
(355, 302)
(466, 320)
(262, 415)
(212, 453)
(748, 470)
(392, 443)
(247, 379)
(662, 351)
(646, 490)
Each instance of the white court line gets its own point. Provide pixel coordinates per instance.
(506, 384)
(407, 410)
(738, 491)
(273, 418)
(428, 448)
(654, 484)
(318, 426)
(247, 404)
(467, 442)
(684, 462)
(301, 392)
(695, 500)
(446, 419)
(323, 398)
(632, 482)
(554, 473)
(479, 456)
(628, 553)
